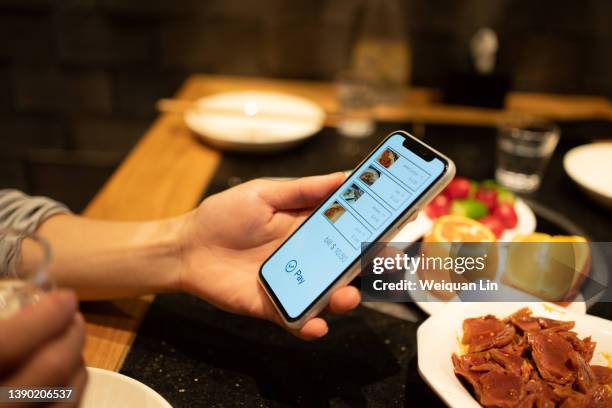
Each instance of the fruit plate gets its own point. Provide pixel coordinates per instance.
(437, 340)
(423, 224)
(552, 223)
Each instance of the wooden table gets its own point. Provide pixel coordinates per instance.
(166, 172)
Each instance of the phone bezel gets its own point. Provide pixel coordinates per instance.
(420, 149)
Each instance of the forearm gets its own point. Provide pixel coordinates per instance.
(102, 259)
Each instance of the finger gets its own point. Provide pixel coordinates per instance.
(35, 325)
(304, 192)
(57, 362)
(77, 384)
(313, 329)
(344, 300)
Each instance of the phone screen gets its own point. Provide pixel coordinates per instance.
(376, 194)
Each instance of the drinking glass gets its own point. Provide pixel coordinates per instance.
(24, 259)
(356, 100)
(524, 147)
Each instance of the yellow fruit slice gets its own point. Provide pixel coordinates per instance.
(549, 267)
(534, 237)
(438, 244)
(457, 228)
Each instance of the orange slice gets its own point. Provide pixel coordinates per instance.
(450, 229)
(549, 267)
(457, 228)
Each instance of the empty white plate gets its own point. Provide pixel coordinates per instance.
(254, 121)
(590, 166)
(108, 389)
(440, 335)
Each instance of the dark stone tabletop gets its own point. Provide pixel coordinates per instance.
(195, 355)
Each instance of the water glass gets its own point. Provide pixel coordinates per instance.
(356, 100)
(524, 147)
(24, 259)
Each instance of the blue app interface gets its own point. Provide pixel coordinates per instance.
(360, 211)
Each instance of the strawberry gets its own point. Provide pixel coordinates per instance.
(459, 187)
(503, 194)
(506, 214)
(488, 197)
(438, 207)
(494, 224)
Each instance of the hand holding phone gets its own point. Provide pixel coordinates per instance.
(389, 186)
(227, 238)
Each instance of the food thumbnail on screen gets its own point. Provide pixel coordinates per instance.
(334, 212)
(370, 175)
(387, 158)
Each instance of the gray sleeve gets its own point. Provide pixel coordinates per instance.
(23, 213)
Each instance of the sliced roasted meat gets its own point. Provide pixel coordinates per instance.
(517, 346)
(540, 392)
(523, 320)
(526, 361)
(550, 352)
(501, 389)
(509, 362)
(583, 374)
(589, 348)
(480, 361)
(603, 375)
(480, 330)
(555, 325)
(600, 396)
(462, 369)
(526, 322)
(482, 333)
(585, 347)
(528, 402)
(566, 393)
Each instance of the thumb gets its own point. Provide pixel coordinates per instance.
(301, 193)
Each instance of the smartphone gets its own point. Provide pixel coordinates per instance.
(398, 178)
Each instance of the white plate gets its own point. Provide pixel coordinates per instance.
(436, 306)
(254, 121)
(438, 338)
(590, 166)
(108, 389)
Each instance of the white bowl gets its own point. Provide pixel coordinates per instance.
(439, 337)
(254, 121)
(590, 166)
(108, 389)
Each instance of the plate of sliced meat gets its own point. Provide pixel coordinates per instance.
(516, 355)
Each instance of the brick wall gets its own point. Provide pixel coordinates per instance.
(78, 79)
